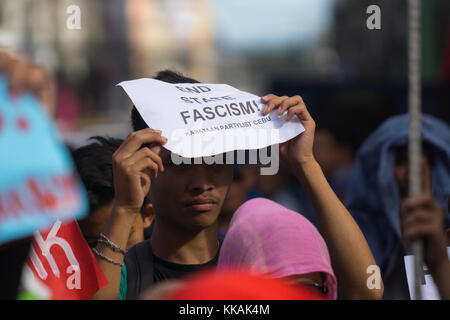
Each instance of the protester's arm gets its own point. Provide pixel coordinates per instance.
(25, 75)
(422, 219)
(22, 76)
(349, 251)
(133, 167)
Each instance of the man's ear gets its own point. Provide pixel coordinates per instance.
(148, 215)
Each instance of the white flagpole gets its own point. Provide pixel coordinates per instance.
(415, 145)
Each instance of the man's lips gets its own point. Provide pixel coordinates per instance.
(203, 204)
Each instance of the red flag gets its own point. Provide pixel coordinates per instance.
(63, 261)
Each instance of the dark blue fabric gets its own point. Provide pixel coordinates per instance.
(373, 195)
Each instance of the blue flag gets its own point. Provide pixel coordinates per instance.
(38, 181)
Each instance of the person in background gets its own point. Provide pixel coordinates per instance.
(268, 239)
(336, 141)
(68, 112)
(379, 183)
(280, 187)
(422, 219)
(94, 164)
(243, 181)
(23, 76)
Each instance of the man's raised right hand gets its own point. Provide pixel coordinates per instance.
(134, 167)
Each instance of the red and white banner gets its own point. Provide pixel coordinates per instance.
(63, 262)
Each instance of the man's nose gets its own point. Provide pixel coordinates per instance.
(201, 178)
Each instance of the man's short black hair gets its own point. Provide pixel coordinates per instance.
(94, 165)
(167, 76)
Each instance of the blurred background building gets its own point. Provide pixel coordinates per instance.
(350, 77)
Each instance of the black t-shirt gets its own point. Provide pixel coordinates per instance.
(144, 269)
(165, 270)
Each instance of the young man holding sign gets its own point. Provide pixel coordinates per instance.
(187, 200)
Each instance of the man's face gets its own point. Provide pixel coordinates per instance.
(189, 195)
(239, 189)
(401, 172)
(326, 151)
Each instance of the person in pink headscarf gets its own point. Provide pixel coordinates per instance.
(267, 238)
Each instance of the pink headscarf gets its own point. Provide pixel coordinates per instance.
(270, 239)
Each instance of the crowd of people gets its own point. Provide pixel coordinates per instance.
(164, 231)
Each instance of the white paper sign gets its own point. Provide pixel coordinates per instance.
(429, 289)
(202, 120)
